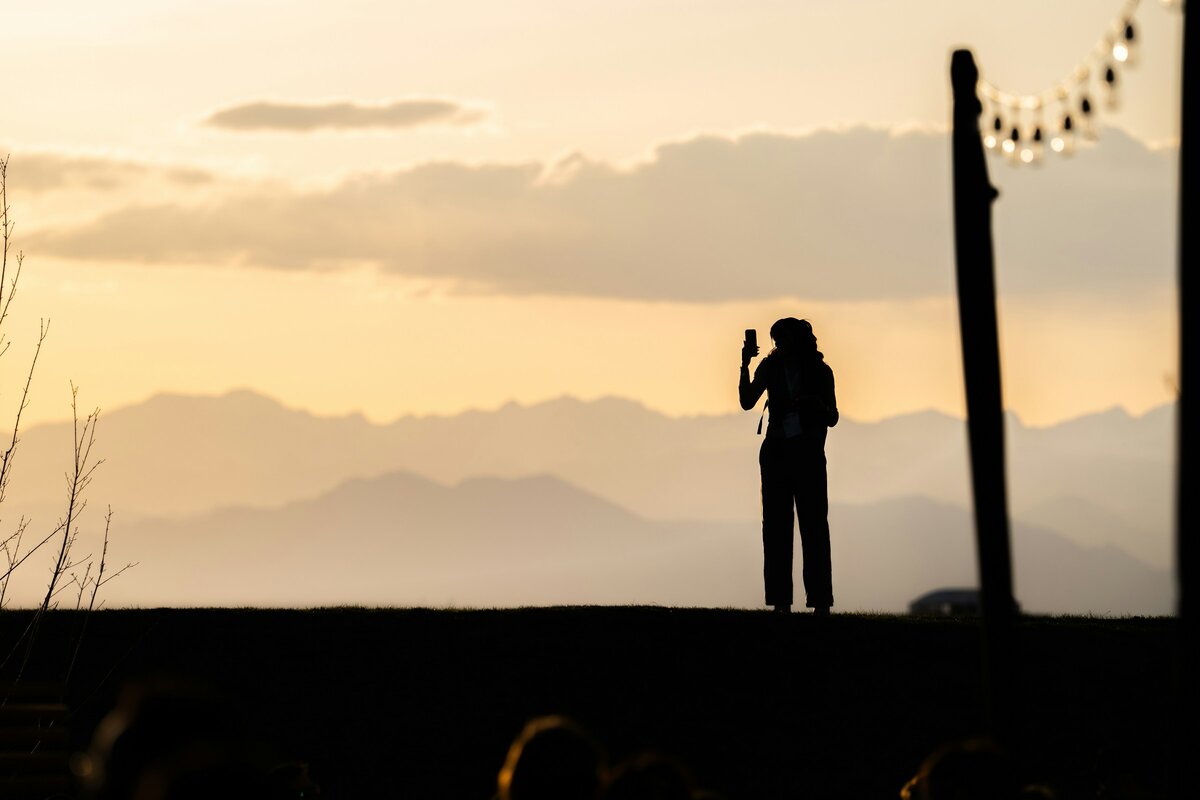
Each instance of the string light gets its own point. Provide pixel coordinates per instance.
(992, 139)
(1018, 121)
(1013, 145)
(1123, 49)
(1087, 125)
(1033, 155)
(1063, 142)
(1110, 86)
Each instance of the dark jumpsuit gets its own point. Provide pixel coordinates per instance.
(792, 462)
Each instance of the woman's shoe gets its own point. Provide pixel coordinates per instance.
(783, 609)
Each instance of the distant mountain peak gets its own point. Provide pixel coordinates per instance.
(241, 397)
(1114, 413)
(924, 415)
(570, 401)
(248, 399)
(241, 400)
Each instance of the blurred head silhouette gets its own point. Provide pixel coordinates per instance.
(553, 758)
(168, 740)
(794, 337)
(975, 769)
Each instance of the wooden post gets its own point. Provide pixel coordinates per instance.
(973, 196)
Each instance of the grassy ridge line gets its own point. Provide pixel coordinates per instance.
(759, 705)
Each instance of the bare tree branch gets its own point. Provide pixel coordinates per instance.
(12, 567)
(77, 481)
(6, 460)
(64, 575)
(97, 582)
(11, 555)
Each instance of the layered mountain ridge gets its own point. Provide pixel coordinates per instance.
(611, 478)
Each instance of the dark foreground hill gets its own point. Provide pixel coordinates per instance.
(423, 703)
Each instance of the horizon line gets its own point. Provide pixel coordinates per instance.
(568, 397)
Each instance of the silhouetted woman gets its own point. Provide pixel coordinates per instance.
(799, 387)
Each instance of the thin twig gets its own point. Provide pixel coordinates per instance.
(77, 481)
(99, 581)
(6, 460)
(12, 568)
(11, 554)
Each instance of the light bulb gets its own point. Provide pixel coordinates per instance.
(1086, 126)
(1064, 140)
(1125, 47)
(1013, 143)
(989, 142)
(1110, 85)
(1027, 156)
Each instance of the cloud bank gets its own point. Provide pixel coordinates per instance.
(856, 214)
(413, 113)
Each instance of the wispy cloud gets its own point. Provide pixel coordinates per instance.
(38, 172)
(298, 117)
(843, 215)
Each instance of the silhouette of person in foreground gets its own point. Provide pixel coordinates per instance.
(553, 758)
(799, 387)
(974, 769)
(168, 739)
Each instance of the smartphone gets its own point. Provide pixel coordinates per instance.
(751, 337)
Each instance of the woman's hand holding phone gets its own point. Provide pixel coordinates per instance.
(749, 346)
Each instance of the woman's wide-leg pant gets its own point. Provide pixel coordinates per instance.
(793, 476)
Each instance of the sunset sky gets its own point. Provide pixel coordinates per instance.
(399, 208)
